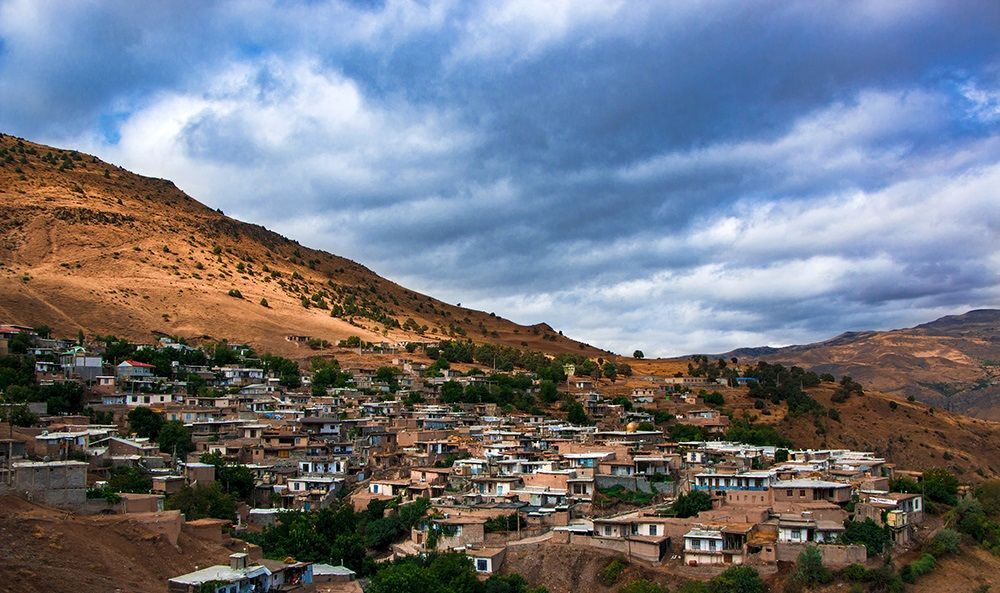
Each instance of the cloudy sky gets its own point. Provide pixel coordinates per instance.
(671, 176)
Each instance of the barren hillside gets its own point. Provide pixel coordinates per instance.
(87, 245)
(52, 551)
(952, 363)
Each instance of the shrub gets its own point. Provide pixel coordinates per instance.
(263, 303)
(611, 572)
(738, 579)
(944, 542)
(809, 570)
(642, 586)
(235, 293)
(912, 571)
(855, 573)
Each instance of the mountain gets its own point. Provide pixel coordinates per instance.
(86, 245)
(952, 363)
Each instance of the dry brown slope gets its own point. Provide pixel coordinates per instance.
(49, 551)
(909, 434)
(950, 362)
(118, 253)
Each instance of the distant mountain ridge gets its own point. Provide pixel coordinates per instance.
(952, 362)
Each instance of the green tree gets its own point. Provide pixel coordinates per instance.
(809, 569)
(692, 503)
(548, 391)
(869, 534)
(129, 478)
(642, 586)
(575, 414)
(175, 439)
(988, 494)
(940, 485)
(286, 370)
(610, 371)
(203, 501)
(236, 479)
(780, 455)
(145, 423)
(451, 392)
(18, 415)
(638, 355)
(738, 579)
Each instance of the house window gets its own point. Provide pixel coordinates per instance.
(788, 491)
(607, 530)
(482, 565)
(802, 492)
(652, 530)
(711, 544)
(796, 534)
(696, 544)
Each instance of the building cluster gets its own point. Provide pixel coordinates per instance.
(494, 479)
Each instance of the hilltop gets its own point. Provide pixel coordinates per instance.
(952, 363)
(89, 246)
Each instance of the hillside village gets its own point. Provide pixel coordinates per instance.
(424, 449)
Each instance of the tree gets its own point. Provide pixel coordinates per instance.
(738, 579)
(692, 503)
(451, 392)
(610, 371)
(286, 370)
(809, 569)
(548, 391)
(869, 534)
(203, 501)
(780, 455)
(145, 423)
(575, 414)
(988, 494)
(18, 415)
(638, 355)
(236, 478)
(940, 486)
(175, 438)
(129, 478)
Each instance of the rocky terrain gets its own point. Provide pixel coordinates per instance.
(951, 363)
(87, 245)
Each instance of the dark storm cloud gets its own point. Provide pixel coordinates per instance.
(690, 177)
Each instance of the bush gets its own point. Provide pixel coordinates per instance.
(809, 570)
(738, 579)
(714, 398)
(916, 569)
(943, 543)
(611, 572)
(855, 573)
(235, 293)
(263, 303)
(642, 586)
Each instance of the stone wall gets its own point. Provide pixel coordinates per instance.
(834, 556)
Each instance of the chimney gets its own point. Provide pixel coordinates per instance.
(238, 561)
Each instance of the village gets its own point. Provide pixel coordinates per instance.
(640, 470)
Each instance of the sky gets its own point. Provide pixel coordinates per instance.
(675, 177)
